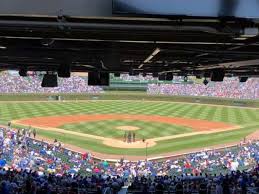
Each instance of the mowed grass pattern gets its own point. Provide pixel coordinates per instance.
(166, 146)
(109, 128)
(248, 119)
(11, 111)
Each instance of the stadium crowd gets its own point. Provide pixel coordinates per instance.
(229, 88)
(32, 166)
(32, 84)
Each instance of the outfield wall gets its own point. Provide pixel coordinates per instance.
(130, 96)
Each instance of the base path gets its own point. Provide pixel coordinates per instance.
(51, 123)
(194, 133)
(56, 121)
(113, 158)
(253, 136)
(106, 141)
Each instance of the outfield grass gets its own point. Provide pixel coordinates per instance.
(241, 116)
(248, 119)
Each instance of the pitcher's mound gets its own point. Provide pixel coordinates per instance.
(127, 128)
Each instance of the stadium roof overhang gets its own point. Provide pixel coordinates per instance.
(183, 45)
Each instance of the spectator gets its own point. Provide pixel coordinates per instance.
(34, 133)
(32, 84)
(229, 88)
(31, 166)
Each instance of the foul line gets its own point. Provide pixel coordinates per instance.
(59, 130)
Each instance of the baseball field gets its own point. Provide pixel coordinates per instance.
(159, 127)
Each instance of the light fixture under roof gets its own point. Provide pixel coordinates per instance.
(148, 59)
(240, 38)
(250, 32)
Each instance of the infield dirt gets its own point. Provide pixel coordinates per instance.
(56, 121)
(53, 122)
